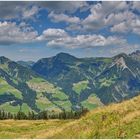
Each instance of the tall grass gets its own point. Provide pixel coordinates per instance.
(120, 120)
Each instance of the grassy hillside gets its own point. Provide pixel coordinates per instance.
(114, 121)
(21, 89)
(112, 80)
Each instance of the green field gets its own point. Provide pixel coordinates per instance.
(113, 121)
(6, 88)
(80, 86)
(14, 109)
(92, 102)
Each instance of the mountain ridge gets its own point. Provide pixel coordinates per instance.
(90, 68)
(66, 82)
(31, 87)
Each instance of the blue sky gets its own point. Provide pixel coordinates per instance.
(34, 30)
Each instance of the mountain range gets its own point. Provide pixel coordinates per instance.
(64, 82)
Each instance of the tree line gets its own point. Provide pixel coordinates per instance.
(45, 115)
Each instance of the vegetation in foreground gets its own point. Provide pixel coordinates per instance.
(43, 115)
(114, 121)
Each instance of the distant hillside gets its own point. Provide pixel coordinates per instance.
(21, 89)
(64, 82)
(108, 79)
(120, 120)
(28, 64)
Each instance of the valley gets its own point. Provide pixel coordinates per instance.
(64, 82)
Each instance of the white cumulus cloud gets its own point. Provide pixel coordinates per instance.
(127, 26)
(10, 33)
(60, 38)
(63, 18)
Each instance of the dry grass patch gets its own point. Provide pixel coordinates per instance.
(114, 121)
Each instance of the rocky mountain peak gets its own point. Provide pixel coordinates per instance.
(121, 63)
